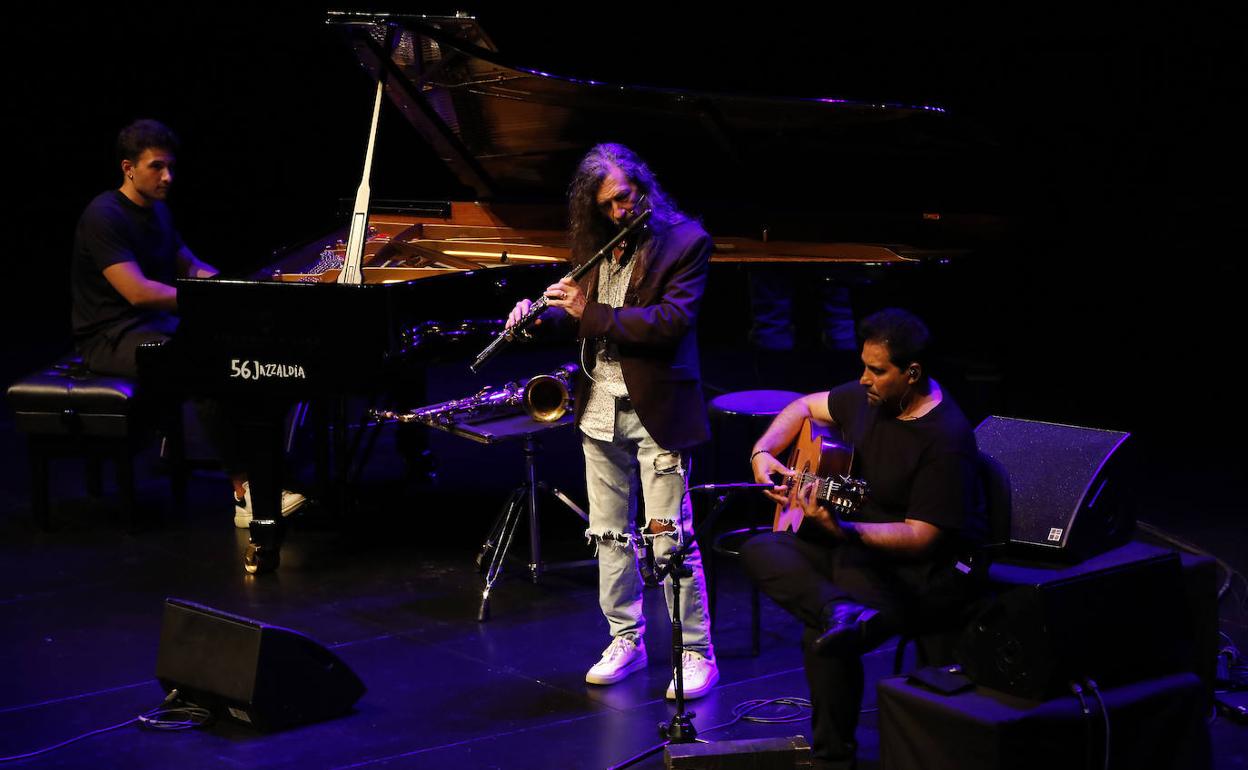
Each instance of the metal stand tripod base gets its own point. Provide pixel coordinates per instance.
(523, 498)
(679, 730)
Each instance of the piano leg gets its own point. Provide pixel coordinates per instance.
(262, 437)
(342, 455)
(264, 552)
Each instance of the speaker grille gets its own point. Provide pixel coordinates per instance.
(226, 665)
(264, 675)
(1055, 471)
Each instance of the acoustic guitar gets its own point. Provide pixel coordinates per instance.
(820, 457)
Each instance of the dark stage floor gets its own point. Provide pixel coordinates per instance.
(391, 589)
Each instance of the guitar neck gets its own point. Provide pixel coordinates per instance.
(816, 457)
(825, 486)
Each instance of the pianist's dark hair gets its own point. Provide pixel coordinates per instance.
(143, 134)
(587, 229)
(903, 333)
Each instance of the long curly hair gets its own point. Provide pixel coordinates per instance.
(588, 229)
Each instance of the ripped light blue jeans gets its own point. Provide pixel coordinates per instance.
(615, 472)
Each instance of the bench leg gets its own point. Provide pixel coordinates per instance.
(40, 486)
(125, 488)
(95, 484)
(712, 586)
(175, 457)
(755, 620)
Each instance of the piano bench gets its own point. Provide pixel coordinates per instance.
(67, 411)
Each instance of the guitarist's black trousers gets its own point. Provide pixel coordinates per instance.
(805, 573)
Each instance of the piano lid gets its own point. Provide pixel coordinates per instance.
(511, 132)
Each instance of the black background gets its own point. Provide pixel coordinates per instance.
(1114, 303)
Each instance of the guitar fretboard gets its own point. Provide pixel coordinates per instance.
(824, 485)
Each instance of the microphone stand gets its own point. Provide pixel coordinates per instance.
(680, 728)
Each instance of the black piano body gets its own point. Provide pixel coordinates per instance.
(446, 272)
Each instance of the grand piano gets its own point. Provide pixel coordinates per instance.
(440, 274)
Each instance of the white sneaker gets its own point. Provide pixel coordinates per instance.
(699, 674)
(621, 658)
(291, 502)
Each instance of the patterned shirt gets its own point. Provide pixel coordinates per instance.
(598, 420)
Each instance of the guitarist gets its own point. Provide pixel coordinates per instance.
(893, 564)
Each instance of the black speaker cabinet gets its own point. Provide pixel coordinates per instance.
(1116, 624)
(754, 754)
(265, 676)
(1066, 486)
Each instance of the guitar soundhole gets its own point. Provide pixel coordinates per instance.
(795, 484)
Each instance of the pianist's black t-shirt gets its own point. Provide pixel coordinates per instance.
(924, 469)
(112, 230)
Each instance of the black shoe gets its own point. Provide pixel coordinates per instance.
(841, 760)
(849, 629)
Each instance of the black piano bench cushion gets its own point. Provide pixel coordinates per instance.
(66, 399)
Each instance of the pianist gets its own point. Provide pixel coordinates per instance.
(126, 257)
(640, 408)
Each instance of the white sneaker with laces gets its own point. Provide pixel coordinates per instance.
(291, 502)
(698, 673)
(621, 658)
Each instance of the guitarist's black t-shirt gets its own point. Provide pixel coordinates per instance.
(923, 469)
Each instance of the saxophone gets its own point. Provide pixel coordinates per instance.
(545, 398)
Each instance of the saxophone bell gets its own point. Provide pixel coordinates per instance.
(548, 397)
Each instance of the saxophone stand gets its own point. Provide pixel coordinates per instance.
(680, 729)
(522, 499)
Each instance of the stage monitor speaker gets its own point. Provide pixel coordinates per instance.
(1115, 625)
(265, 676)
(1067, 494)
